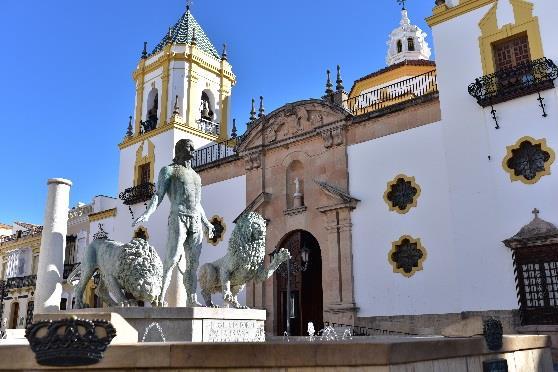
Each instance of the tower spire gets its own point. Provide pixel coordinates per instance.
(261, 111)
(130, 130)
(253, 111)
(224, 54)
(144, 53)
(233, 132)
(329, 86)
(339, 82)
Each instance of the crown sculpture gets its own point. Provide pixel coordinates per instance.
(69, 342)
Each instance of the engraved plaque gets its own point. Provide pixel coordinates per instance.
(229, 330)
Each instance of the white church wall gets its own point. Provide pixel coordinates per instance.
(379, 291)
(486, 206)
(226, 199)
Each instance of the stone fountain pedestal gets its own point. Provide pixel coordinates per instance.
(195, 324)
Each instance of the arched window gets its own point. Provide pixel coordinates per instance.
(152, 106)
(411, 44)
(206, 108)
(399, 46)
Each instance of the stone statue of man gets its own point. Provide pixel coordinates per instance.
(183, 187)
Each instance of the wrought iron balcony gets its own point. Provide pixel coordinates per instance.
(21, 282)
(137, 194)
(393, 94)
(521, 80)
(215, 152)
(208, 126)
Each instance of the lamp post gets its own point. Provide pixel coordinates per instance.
(286, 271)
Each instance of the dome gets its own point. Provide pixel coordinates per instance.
(407, 42)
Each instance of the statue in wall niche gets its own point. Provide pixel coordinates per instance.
(187, 218)
(243, 262)
(133, 268)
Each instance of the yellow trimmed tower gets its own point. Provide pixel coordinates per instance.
(183, 91)
(183, 83)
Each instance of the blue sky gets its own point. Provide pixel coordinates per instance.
(67, 87)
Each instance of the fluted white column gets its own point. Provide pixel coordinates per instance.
(48, 292)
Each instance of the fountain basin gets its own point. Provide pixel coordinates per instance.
(385, 354)
(196, 324)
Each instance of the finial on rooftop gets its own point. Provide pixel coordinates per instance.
(402, 3)
(224, 54)
(233, 132)
(253, 111)
(130, 131)
(194, 40)
(169, 35)
(261, 111)
(536, 212)
(144, 53)
(329, 86)
(188, 5)
(339, 82)
(176, 109)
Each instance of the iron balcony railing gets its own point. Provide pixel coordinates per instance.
(21, 282)
(392, 94)
(521, 80)
(215, 152)
(137, 194)
(208, 126)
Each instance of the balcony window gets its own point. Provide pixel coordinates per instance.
(144, 173)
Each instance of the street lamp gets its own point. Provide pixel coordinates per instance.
(286, 271)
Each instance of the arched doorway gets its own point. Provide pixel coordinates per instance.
(306, 297)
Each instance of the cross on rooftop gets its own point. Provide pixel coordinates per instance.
(536, 212)
(188, 4)
(402, 3)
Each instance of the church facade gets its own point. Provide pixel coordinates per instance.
(398, 198)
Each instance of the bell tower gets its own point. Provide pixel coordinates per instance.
(184, 81)
(407, 42)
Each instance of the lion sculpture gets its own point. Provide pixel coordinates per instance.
(133, 268)
(243, 262)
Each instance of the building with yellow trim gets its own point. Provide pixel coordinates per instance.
(458, 132)
(20, 245)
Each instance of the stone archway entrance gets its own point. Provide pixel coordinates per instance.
(305, 285)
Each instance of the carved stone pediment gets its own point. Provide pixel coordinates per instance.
(292, 121)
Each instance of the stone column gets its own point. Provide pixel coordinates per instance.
(53, 243)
